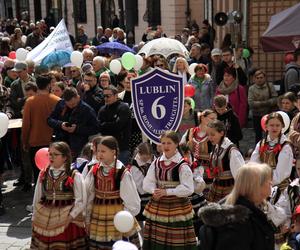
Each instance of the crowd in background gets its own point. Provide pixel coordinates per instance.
(86, 116)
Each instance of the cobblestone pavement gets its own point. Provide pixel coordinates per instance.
(15, 225)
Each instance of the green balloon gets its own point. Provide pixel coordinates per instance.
(246, 53)
(192, 103)
(128, 60)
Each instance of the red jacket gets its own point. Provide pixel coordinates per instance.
(238, 102)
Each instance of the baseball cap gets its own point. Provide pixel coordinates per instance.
(216, 52)
(19, 66)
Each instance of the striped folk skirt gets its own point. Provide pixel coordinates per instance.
(220, 188)
(103, 233)
(49, 229)
(169, 224)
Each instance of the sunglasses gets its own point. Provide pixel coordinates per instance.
(159, 65)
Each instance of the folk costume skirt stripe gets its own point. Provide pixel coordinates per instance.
(169, 224)
(50, 232)
(73, 237)
(219, 189)
(103, 233)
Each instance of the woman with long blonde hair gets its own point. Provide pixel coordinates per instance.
(181, 67)
(242, 223)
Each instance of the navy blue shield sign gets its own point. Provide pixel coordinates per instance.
(158, 99)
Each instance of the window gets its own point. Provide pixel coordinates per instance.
(81, 11)
(154, 15)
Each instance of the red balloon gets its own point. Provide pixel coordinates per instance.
(263, 122)
(12, 55)
(189, 90)
(289, 57)
(42, 158)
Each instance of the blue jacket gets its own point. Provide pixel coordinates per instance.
(204, 93)
(86, 124)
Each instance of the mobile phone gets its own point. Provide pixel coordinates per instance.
(68, 124)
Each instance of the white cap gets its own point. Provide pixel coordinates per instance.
(216, 52)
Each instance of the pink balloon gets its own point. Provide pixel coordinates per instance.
(42, 158)
(263, 122)
(12, 55)
(189, 90)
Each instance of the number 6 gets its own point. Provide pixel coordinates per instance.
(156, 106)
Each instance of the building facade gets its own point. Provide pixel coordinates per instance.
(136, 15)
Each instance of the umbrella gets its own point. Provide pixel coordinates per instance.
(114, 48)
(165, 47)
(57, 58)
(283, 32)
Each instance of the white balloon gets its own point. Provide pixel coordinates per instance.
(192, 68)
(3, 124)
(76, 58)
(115, 66)
(286, 120)
(139, 62)
(123, 221)
(21, 54)
(23, 39)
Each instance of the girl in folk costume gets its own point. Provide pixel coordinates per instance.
(200, 147)
(275, 151)
(140, 165)
(95, 141)
(58, 203)
(278, 154)
(110, 189)
(225, 160)
(197, 140)
(169, 213)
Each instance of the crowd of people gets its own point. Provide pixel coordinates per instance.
(191, 191)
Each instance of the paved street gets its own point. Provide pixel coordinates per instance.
(15, 225)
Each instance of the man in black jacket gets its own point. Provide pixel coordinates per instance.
(114, 119)
(227, 56)
(73, 121)
(93, 94)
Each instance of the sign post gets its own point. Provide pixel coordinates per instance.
(158, 100)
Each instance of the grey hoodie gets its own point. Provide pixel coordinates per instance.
(292, 75)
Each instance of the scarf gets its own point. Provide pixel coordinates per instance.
(226, 90)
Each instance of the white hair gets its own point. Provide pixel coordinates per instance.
(88, 51)
(100, 59)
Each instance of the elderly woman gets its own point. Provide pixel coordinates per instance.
(235, 94)
(104, 80)
(287, 102)
(15, 40)
(246, 216)
(181, 67)
(205, 87)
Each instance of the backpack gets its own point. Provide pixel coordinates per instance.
(295, 87)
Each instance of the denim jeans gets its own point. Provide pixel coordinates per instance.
(124, 156)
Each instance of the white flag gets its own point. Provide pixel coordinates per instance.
(57, 40)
